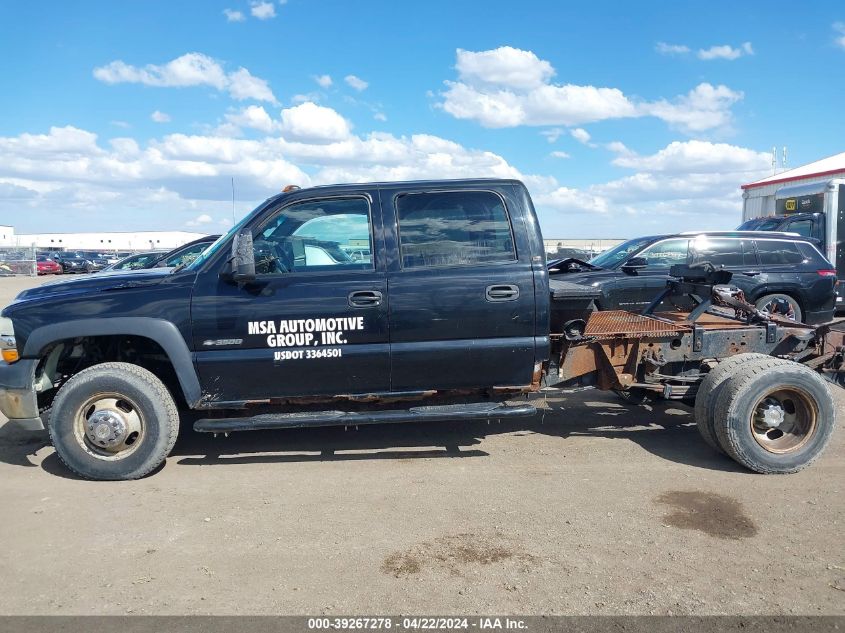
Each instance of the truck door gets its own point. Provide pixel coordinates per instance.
(314, 322)
(462, 302)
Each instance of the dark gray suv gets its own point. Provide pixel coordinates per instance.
(778, 272)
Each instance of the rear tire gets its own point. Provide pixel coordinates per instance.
(774, 417)
(781, 305)
(113, 421)
(709, 390)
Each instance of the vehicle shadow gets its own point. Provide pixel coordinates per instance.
(665, 429)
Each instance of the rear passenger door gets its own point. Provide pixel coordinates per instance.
(461, 289)
(735, 255)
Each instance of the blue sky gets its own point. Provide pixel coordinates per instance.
(623, 118)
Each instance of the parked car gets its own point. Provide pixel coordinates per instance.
(781, 273)
(136, 261)
(97, 260)
(184, 254)
(73, 262)
(46, 266)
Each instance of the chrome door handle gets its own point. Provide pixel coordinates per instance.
(502, 292)
(364, 298)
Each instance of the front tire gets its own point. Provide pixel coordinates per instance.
(113, 421)
(775, 418)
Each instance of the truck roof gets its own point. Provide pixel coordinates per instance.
(462, 182)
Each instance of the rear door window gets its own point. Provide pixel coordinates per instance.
(778, 253)
(454, 228)
(722, 252)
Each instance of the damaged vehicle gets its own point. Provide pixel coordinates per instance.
(448, 314)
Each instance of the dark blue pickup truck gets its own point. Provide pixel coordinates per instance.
(375, 303)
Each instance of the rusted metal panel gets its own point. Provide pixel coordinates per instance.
(613, 323)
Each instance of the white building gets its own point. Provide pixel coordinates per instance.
(7, 235)
(758, 198)
(594, 246)
(118, 241)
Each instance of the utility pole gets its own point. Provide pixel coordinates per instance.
(233, 200)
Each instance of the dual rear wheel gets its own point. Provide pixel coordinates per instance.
(771, 415)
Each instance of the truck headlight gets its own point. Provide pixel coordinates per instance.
(8, 349)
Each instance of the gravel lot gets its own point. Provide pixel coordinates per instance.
(597, 507)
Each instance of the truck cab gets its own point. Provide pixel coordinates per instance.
(446, 304)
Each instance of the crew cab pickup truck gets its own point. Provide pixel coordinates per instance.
(373, 303)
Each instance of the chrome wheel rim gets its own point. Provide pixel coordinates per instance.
(782, 308)
(784, 420)
(109, 426)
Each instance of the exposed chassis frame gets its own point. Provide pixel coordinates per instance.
(666, 353)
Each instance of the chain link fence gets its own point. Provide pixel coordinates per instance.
(17, 260)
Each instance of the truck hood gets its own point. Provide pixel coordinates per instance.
(97, 282)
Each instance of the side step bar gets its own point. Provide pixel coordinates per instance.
(444, 413)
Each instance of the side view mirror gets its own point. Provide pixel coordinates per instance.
(634, 264)
(243, 257)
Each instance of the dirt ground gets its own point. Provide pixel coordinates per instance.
(595, 507)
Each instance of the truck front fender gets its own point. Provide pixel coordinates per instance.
(165, 333)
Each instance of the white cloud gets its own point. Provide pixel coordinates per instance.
(254, 117)
(671, 49)
(191, 69)
(243, 86)
(69, 176)
(263, 10)
(505, 66)
(696, 157)
(324, 81)
(705, 107)
(380, 116)
(839, 39)
(234, 16)
(160, 117)
(581, 135)
(356, 83)
(313, 123)
(559, 154)
(201, 219)
(725, 51)
(500, 96)
(552, 134)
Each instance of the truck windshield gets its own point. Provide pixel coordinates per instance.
(760, 224)
(613, 257)
(215, 245)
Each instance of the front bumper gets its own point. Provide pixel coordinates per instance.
(18, 399)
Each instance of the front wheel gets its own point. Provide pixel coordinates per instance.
(774, 418)
(113, 421)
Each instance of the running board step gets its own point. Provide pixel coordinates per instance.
(442, 413)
